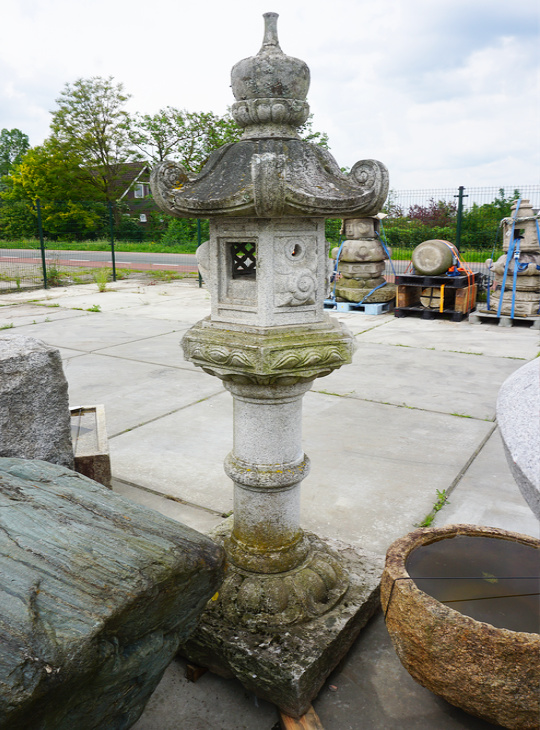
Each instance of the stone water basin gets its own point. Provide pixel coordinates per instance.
(461, 606)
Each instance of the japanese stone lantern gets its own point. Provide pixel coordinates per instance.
(267, 338)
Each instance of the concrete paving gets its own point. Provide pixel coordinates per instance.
(412, 415)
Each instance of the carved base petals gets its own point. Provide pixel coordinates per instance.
(308, 591)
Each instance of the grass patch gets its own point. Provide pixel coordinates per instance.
(101, 277)
(94, 308)
(442, 499)
(102, 245)
(7, 326)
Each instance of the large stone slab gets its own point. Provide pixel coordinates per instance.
(95, 595)
(287, 664)
(462, 337)
(135, 392)
(34, 407)
(518, 415)
(419, 378)
(102, 329)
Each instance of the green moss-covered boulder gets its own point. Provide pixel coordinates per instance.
(96, 593)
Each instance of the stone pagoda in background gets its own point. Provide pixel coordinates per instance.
(292, 603)
(522, 227)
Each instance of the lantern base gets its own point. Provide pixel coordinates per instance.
(287, 664)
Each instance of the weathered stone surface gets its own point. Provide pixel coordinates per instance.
(522, 222)
(529, 265)
(523, 283)
(365, 270)
(268, 337)
(433, 257)
(518, 416)
(271, 173)
(34, 407)
(269, 355)
(96, 593)
(490, 672)
(284, 273)
(526, 303)
(287, 664)
(353, 290)
(358, 252)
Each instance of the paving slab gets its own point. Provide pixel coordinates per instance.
(358, 322)
(160, 350)
(133, 392)
(359, 490)
(488, 495)
(211, 702)
(30, 314)
(98, 331)
(376, 468)
(199, 519)
(449, 336)
(183, 453)
(446, 382)
(372, 690)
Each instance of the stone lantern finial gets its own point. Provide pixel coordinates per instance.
(270, 89)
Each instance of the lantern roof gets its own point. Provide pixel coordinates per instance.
(271, 172)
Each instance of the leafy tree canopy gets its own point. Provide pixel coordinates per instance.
(57, 179)
(13, 145)
(90, 124)
(188, 137)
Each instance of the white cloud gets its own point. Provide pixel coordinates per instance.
(445, 93)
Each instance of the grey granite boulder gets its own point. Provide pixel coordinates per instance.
(96, 593)
(518, 415)
(34, 407)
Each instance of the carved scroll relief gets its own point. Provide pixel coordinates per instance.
(295, 270)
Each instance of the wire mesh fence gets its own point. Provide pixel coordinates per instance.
(55, 243)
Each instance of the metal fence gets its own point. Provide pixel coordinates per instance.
(60, 239)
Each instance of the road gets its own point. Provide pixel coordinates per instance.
(88, 259)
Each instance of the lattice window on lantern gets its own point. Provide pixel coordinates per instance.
(244, 259)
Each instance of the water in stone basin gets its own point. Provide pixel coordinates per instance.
(487, 578)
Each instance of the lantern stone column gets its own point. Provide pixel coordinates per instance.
(292, 602)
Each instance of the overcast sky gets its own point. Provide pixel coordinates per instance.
(444, 92)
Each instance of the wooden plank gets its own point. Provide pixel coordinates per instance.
(407, 296)
(309, 721)
(465, 299)
(194, 672)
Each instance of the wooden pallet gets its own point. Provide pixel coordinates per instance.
(372, 308)
(458, 297)
(504, 320)
(426, 313)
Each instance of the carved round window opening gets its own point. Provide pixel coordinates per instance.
(295, 250)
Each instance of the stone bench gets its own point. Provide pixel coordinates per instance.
(96, 593)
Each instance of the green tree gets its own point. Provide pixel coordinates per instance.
(58, 180)
(90, 124)
(480, 224)
(188, 137)
(13, 145)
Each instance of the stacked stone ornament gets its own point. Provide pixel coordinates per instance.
(527, 289)
(361, 264)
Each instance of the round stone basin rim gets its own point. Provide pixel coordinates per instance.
(400, 551)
